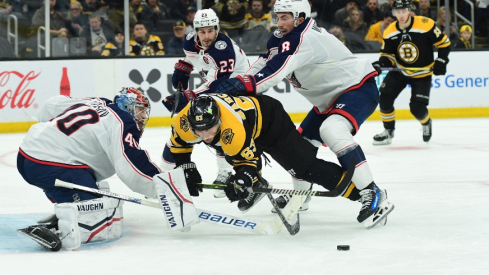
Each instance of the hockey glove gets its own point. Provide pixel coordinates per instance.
(181, 74)
(192, 177)
(236, 188)
(383, 62)
(241, 85)
(440, 67)
(184, 99)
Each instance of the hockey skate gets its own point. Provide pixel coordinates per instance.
(384, 138)
(283, 200)
(222, 178)
(253, 198)
(44, 236)
(375, 207)
(427, 131)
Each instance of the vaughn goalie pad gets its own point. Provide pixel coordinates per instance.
(174, 198)
(89, 221)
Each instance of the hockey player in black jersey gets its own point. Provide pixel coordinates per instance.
(408, 43)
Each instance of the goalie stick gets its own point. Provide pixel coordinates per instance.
(271, 227)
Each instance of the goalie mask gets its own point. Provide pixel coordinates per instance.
(134, 102)
(296, 7)
(205, 18)
(203, 113)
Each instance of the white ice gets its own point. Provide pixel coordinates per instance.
(440, 224)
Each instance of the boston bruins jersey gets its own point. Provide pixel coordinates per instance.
(152, 46)
(245, 129)
(413, 46)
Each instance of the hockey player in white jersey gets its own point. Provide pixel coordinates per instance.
(85, 141)
(340, 86)
(216, 57)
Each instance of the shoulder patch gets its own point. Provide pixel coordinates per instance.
(277, 33)
(424, 20)
(184, 123)
(227, 136)
(221, 45)
(190, 35)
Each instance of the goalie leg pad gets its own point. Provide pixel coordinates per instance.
(174, 198)
(89, 221)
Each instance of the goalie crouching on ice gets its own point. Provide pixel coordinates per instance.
(84, 141)
(245, 128)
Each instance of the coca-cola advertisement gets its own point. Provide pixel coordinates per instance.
(24, 87)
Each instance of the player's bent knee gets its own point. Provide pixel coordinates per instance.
(418, 109)
(89, 221)
(336, 132)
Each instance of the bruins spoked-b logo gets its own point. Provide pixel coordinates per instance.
(408, 52)
(227, 136)
(184, 123)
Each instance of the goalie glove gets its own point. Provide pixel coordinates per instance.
(185, 98)
(440, 67)
(241, 85)
(181, 74)
(238, 184)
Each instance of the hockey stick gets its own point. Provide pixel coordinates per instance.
(177, 99)
(339, 189)
(258, 227)
(405, 69)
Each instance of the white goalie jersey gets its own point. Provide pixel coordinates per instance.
(91, 133)
(314, 61)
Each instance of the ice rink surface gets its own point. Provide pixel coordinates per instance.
(440, 224)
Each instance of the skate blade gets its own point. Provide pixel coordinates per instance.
(380, 215)
(383, 142)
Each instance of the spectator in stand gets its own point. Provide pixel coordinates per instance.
(232, 16)
(464, 40)
(94, 6)
(341, 14)
(350, 40)
(481, 18)
(425, 10)
(189, 20)
(137, 7)
(97, 35)
(372, 13)
(58, 22)
(175, 45)
(387, 6)
(154, 11)
(115, 14)
(376, 31)
(5, 9)
(116, 48)
(257, 19)
(440, 21)
(354, 23)
(143, 44)
(179, 8)
(75, 21)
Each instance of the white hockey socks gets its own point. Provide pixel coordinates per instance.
(174, 197)
(89, 221)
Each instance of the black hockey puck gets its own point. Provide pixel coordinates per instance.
(343, 247)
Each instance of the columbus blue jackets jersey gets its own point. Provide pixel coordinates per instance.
(224, 59)
(91, 133)
(314, 61)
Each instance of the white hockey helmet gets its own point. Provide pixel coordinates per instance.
(206, 18)
(296, 7)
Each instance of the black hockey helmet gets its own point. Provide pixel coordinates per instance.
(203, 113)
(401, 4)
